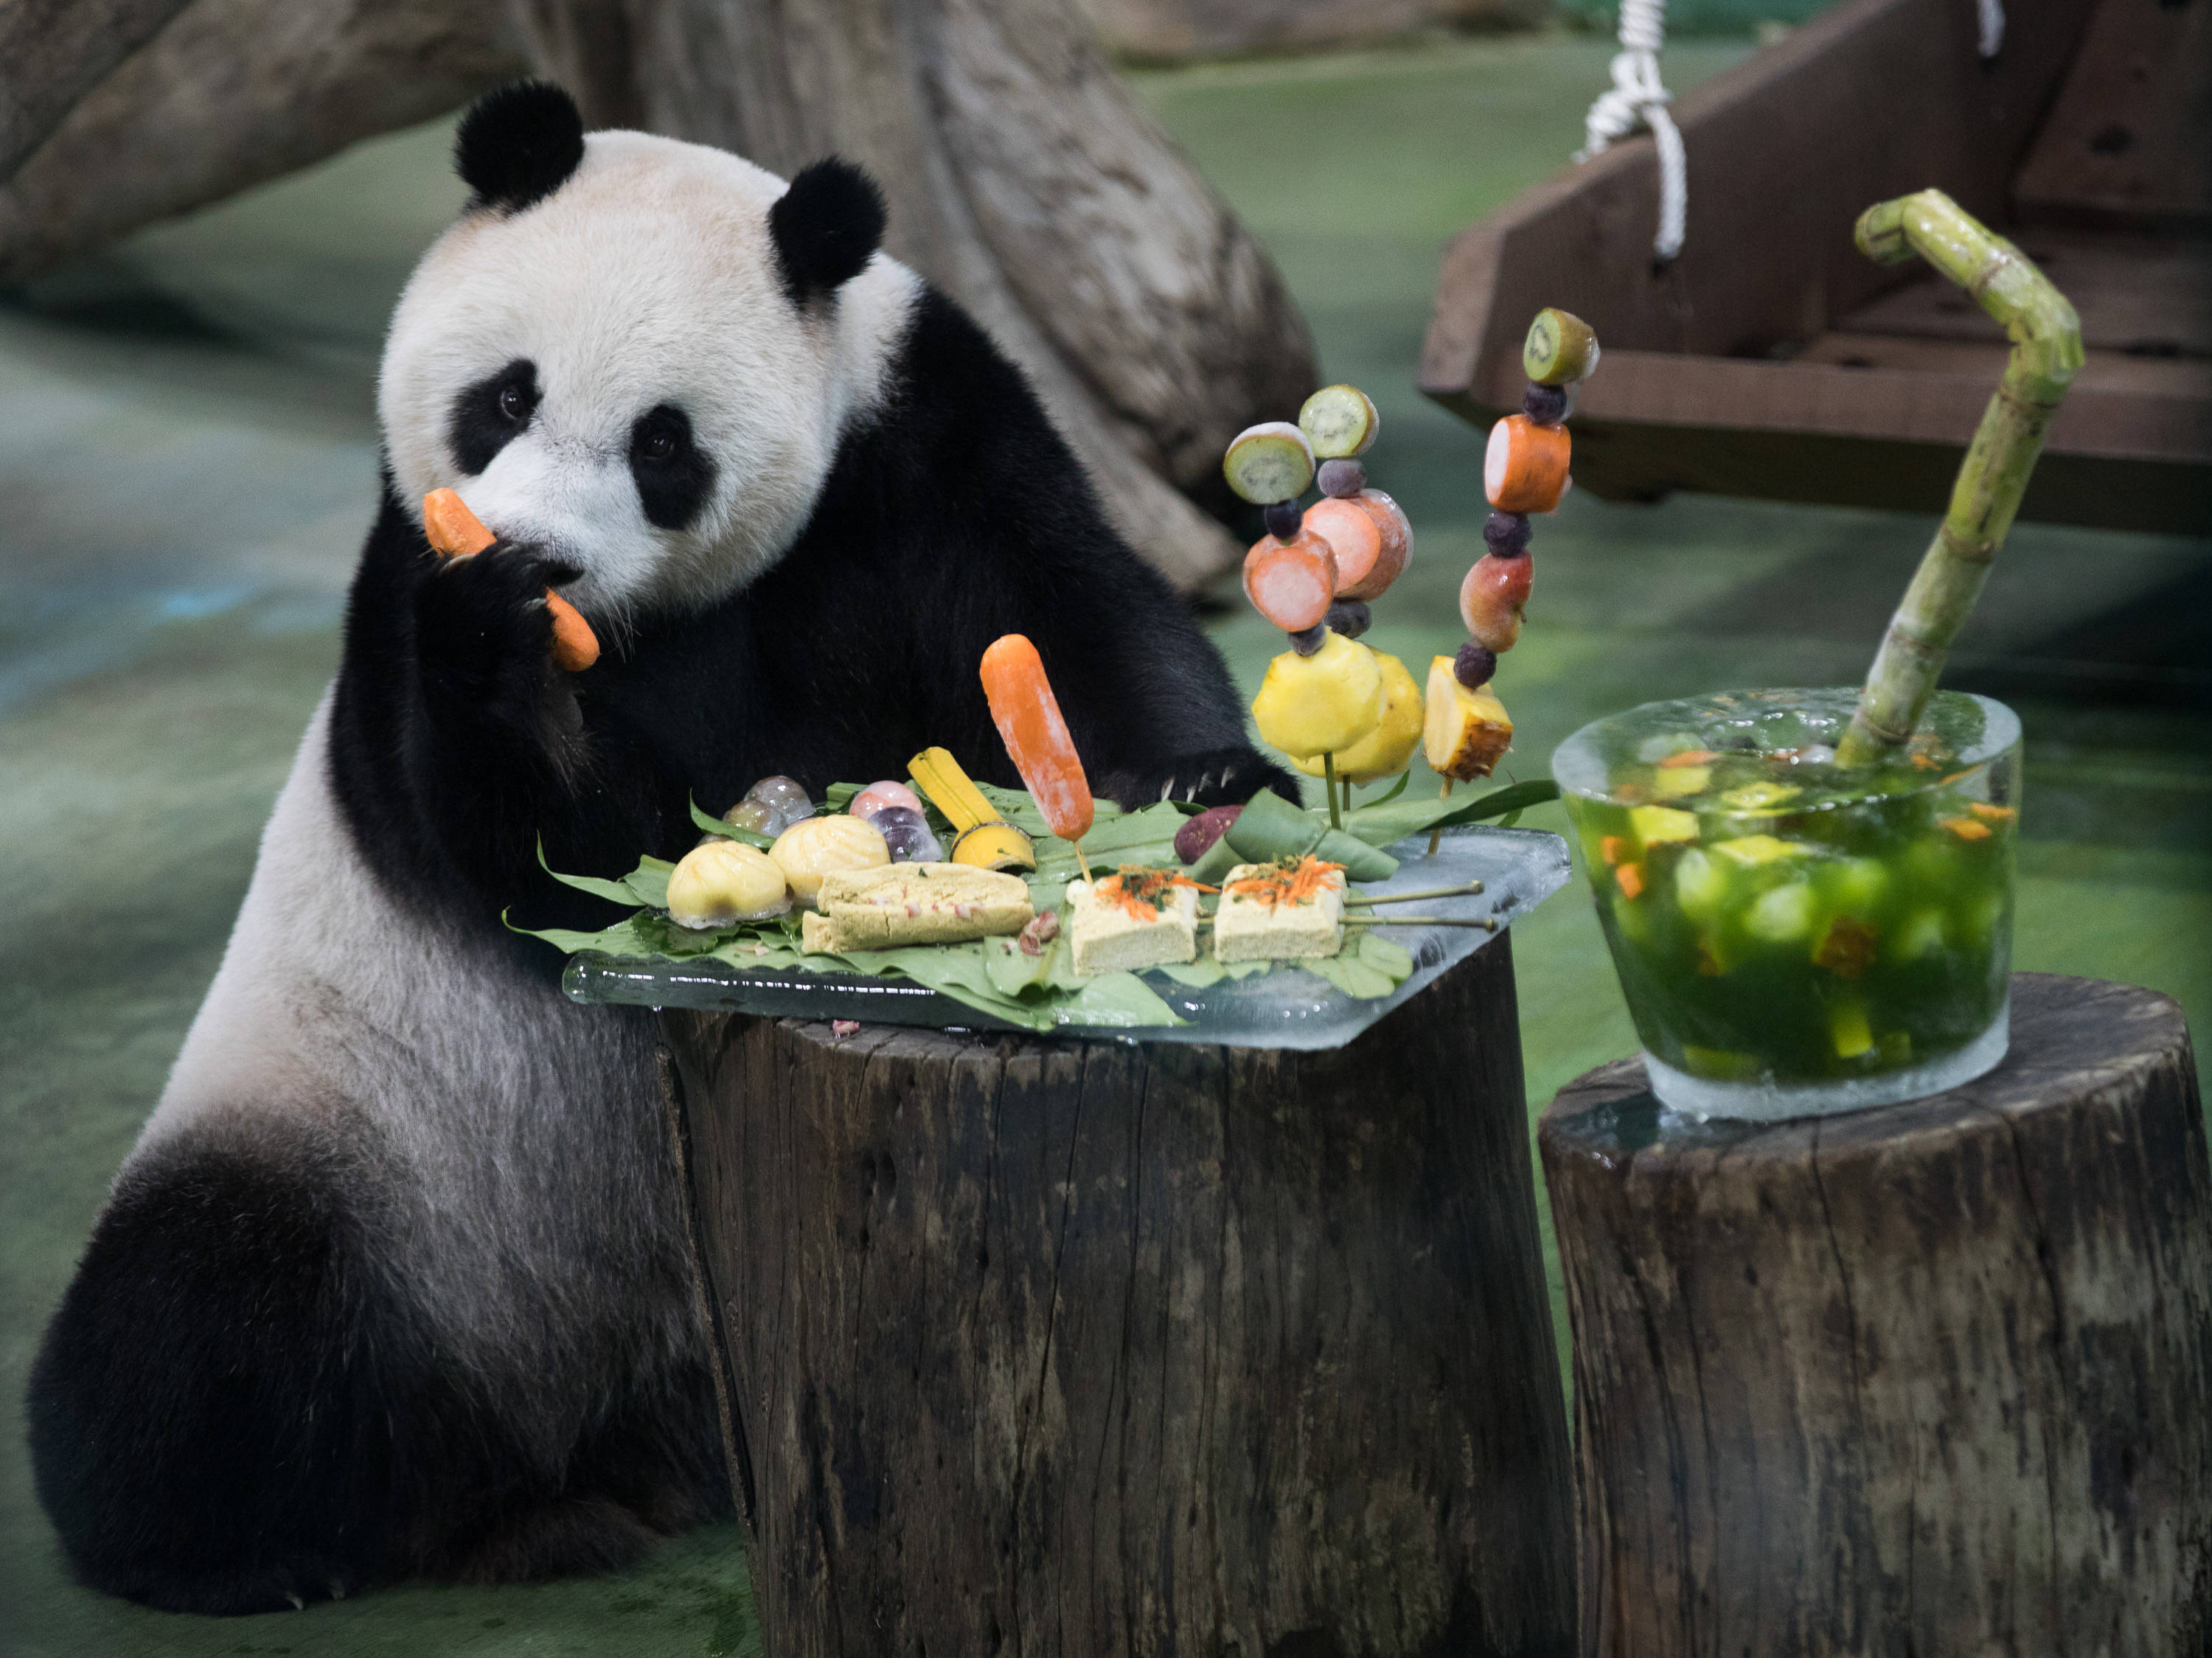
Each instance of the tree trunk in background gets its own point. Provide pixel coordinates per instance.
(1025, 179)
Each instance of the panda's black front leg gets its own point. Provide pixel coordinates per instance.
(1218, 777)
(499, 758)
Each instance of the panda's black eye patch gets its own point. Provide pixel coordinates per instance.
(487, 416)
(673, 476)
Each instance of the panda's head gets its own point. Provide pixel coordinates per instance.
(637, 353)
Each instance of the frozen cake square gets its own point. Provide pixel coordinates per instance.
(1137, 918)
(1271, 912)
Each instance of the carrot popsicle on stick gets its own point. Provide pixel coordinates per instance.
(1027, 716)
(457, 532)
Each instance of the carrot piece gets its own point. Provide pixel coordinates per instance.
(1630, 877)
(1525, 468)
(1291, 583)
(1027, 717)
(1613, 848)
(1966, 829)
(454, 532)
(1688, 758)
(1354, 538)
(1989, 814)
(1491, 598)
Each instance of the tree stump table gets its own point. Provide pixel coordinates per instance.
(1930, 1378)
(1091, 1348)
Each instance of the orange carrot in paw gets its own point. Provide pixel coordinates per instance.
(456, 533)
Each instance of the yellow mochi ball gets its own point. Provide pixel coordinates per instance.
(1388, 748)
(1322, 704)
(815, 847)
(722, 882)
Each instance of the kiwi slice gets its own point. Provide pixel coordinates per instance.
(1560, 349)
(1340, 421)
(1269, 462)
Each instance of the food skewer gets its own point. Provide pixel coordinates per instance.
(1028, 720)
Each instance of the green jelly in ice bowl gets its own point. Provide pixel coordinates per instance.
(1796, 937)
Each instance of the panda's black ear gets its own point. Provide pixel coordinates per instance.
(825, 227)
(517, 145)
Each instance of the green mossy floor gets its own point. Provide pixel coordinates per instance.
(187, 459)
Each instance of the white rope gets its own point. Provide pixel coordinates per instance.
(1990, 13)
(1636, 99)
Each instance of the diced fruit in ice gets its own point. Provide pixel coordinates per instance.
(1322, 704)
(723, 883)
(1629, 879)
(1506, 534)
(1934, 861)
(1760, 797)
(1718, 1064)
(1656, 825)
(1848, 1031)
(1397, 533)
(1199, 833)
(1560, 349)
(1700, 885)
(1992, 814)
(1491, 598)
(1782, 914)
(1896, 1048)
(1291, 583)
(1921, 936)
(1342, 478)
(1269, 462)
(1856, 884)
(1349, 617)
(1307, 640)
(888, 793)
(1615, 849)
(1752, 851)
(906, 834)
(1388, 748)
(1967, 829)
(816, 847)
(1547, 405)
(1283, 519)
(1683, 780)
(1660, 749)
(1339, 422)
(1354, 539)
(1978, 912)
(1475, 665)
(1524, 470)
(1847, 948)
(1464, 731)
(1689, 757)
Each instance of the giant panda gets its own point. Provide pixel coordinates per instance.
(395, 1280)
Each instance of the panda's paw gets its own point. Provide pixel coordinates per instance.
(1224, 777)
(483, 630)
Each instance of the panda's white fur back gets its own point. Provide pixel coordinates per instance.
(520, 1138)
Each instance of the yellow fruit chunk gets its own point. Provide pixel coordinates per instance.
(1848, 1031)
(1688, 779)
(1753, 850)
(1388, 748)
(1322, 704)
(1655, 824)
(1464, 733)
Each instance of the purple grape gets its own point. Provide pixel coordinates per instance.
(1283, 518)
(1197, 835)
(1342, 478)
(1349, 617)
(1307, 643)
(1506, 534)
(1475, 665)
(906, 832)
(1547, 405)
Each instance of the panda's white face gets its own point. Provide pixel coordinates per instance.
(616, 375)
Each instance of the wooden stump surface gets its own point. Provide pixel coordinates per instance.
(1089, 1347)
(1934, 1378)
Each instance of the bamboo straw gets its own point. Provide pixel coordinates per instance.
(2046, 350)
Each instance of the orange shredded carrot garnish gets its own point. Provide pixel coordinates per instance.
(1142, 891)
(1287, 884)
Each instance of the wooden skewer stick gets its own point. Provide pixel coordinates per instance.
(1487, 923)
(1469, 889)
(1437, 835)
(1328, 788)
(1082, 863)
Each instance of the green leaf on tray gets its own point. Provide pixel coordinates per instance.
(1381, 824)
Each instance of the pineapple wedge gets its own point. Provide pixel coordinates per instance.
(1464, 732)
(1322, 704)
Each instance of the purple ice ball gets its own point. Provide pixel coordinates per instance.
(906, 832)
